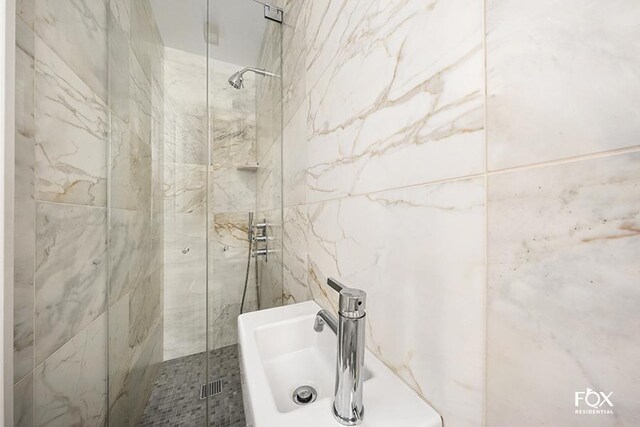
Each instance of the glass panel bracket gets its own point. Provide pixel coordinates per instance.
(273, 13)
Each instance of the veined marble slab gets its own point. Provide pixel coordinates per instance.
(71, 386)
(186, 94)
(23, 402)
(562, 79)
(563, 292)
(294, 253)
(419, 254)
(184, 305)
(24, 216)
(385, 112)
(70, 278)
(71, 164)
(184, 188)
(119, 362)
(77, 32)
(270, 272)
(294, 158)
(130, 250)
(25, 10)
(294, 56)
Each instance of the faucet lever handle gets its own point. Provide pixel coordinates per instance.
(352, 301)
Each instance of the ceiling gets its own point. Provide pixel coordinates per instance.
(238, 24)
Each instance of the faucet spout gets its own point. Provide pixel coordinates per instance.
(325, 318)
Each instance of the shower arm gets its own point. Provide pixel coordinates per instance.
(258, 71)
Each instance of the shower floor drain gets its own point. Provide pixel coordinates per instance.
(210, 389)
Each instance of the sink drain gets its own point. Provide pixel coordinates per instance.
(304, 394)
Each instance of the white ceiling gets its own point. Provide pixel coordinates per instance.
(240, 25)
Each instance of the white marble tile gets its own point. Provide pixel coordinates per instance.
(269, 177)
(228, 270)
(119, 362)
(270, 271)
(120, 11)
(70, 277)
(71, 386)
(129, 247)
(419, 255)
(184, 309)
(181, 249)
(294, 158)
(145, 310)
(71, 147)
(294, 255)
(562, 79)
(131, 168)
(145, 341)
(185, 77)
(24, 204)
(386, 113)
(77, 32)
(140, 93)
(23, 402)
(144, 371)
(225, 297)
(189, 225)
(325, 32)
(229, 235)
(25, 10)
(184, 188)
(294, 57)
(563, 292)
(146, 41)
(119, 63)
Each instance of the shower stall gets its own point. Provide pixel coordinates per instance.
(148, 172)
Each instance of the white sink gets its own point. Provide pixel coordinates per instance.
(279, 351)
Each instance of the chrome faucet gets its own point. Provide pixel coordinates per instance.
(348, 408)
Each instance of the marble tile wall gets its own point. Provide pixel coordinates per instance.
(512, 247)
(232, 195)
(563, 237)
(76, 257)
(563, 295)
(383, 151)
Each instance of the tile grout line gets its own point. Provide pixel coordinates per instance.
(67, 342)
(568, 160)
(485, 311)
(35, 211)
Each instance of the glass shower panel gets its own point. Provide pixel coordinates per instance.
(245, 179)
(156, 210)
(269, 174)
(190, 160)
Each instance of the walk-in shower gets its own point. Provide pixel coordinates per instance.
(133, 233)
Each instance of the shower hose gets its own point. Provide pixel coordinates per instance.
(246, 276)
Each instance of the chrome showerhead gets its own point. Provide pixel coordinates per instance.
(236, 78)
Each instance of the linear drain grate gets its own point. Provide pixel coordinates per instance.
(210, 389)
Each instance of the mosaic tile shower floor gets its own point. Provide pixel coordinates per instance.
(175, 399)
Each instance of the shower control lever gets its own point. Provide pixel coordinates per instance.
(260, 235)
(348, 408)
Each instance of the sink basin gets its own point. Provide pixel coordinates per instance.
(280, 351)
